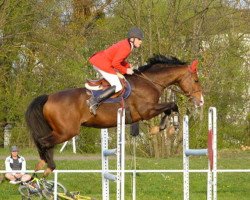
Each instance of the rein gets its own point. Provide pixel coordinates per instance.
(142, 75)
(177, 90)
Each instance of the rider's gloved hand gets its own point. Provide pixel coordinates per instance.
(130, 71)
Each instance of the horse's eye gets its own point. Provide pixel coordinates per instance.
(196, 81)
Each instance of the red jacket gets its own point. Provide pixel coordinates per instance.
(113, 58)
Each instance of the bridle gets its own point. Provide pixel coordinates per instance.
(189, 94)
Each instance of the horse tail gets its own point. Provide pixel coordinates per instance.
(35, 120)
(39, 128)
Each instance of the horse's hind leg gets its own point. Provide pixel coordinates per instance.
(49, 143)
(42, 161)
(40, 165)
(45, 148)
(46, 156)
(50, 161)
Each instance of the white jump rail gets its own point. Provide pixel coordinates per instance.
(107, 176)
(211, 152)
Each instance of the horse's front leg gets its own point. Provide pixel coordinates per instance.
(167, 108)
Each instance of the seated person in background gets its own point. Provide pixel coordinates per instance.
(16, 162)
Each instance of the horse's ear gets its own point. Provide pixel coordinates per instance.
(193, 68)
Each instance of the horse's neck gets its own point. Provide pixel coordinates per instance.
(167, 77)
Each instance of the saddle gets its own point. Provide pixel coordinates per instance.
(101, 84)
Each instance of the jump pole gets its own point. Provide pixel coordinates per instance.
(211, 151)
(119, 178)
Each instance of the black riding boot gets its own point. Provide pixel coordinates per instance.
(94, 102)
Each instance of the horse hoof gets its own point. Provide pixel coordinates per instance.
(171, 131)
(154, 130)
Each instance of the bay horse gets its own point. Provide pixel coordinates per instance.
(56, 118)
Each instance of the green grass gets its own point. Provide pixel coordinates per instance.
(231, 186)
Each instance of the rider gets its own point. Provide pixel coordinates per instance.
(112, 60)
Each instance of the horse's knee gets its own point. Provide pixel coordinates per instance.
(48, 141)
(175, 107)
(172, 108)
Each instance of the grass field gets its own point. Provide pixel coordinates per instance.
(231, 186)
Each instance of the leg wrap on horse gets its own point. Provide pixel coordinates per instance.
(94, 102)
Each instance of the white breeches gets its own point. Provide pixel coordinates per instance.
(111, 78)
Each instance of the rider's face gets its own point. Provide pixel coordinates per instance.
(137, 42)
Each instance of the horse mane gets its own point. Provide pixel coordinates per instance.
(161, 59)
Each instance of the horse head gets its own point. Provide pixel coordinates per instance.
(164, 71)
(190, 84)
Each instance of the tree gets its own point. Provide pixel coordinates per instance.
(45, 46)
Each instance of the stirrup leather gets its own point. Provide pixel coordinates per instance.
(93, 104)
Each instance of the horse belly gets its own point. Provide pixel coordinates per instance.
(106, 117)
